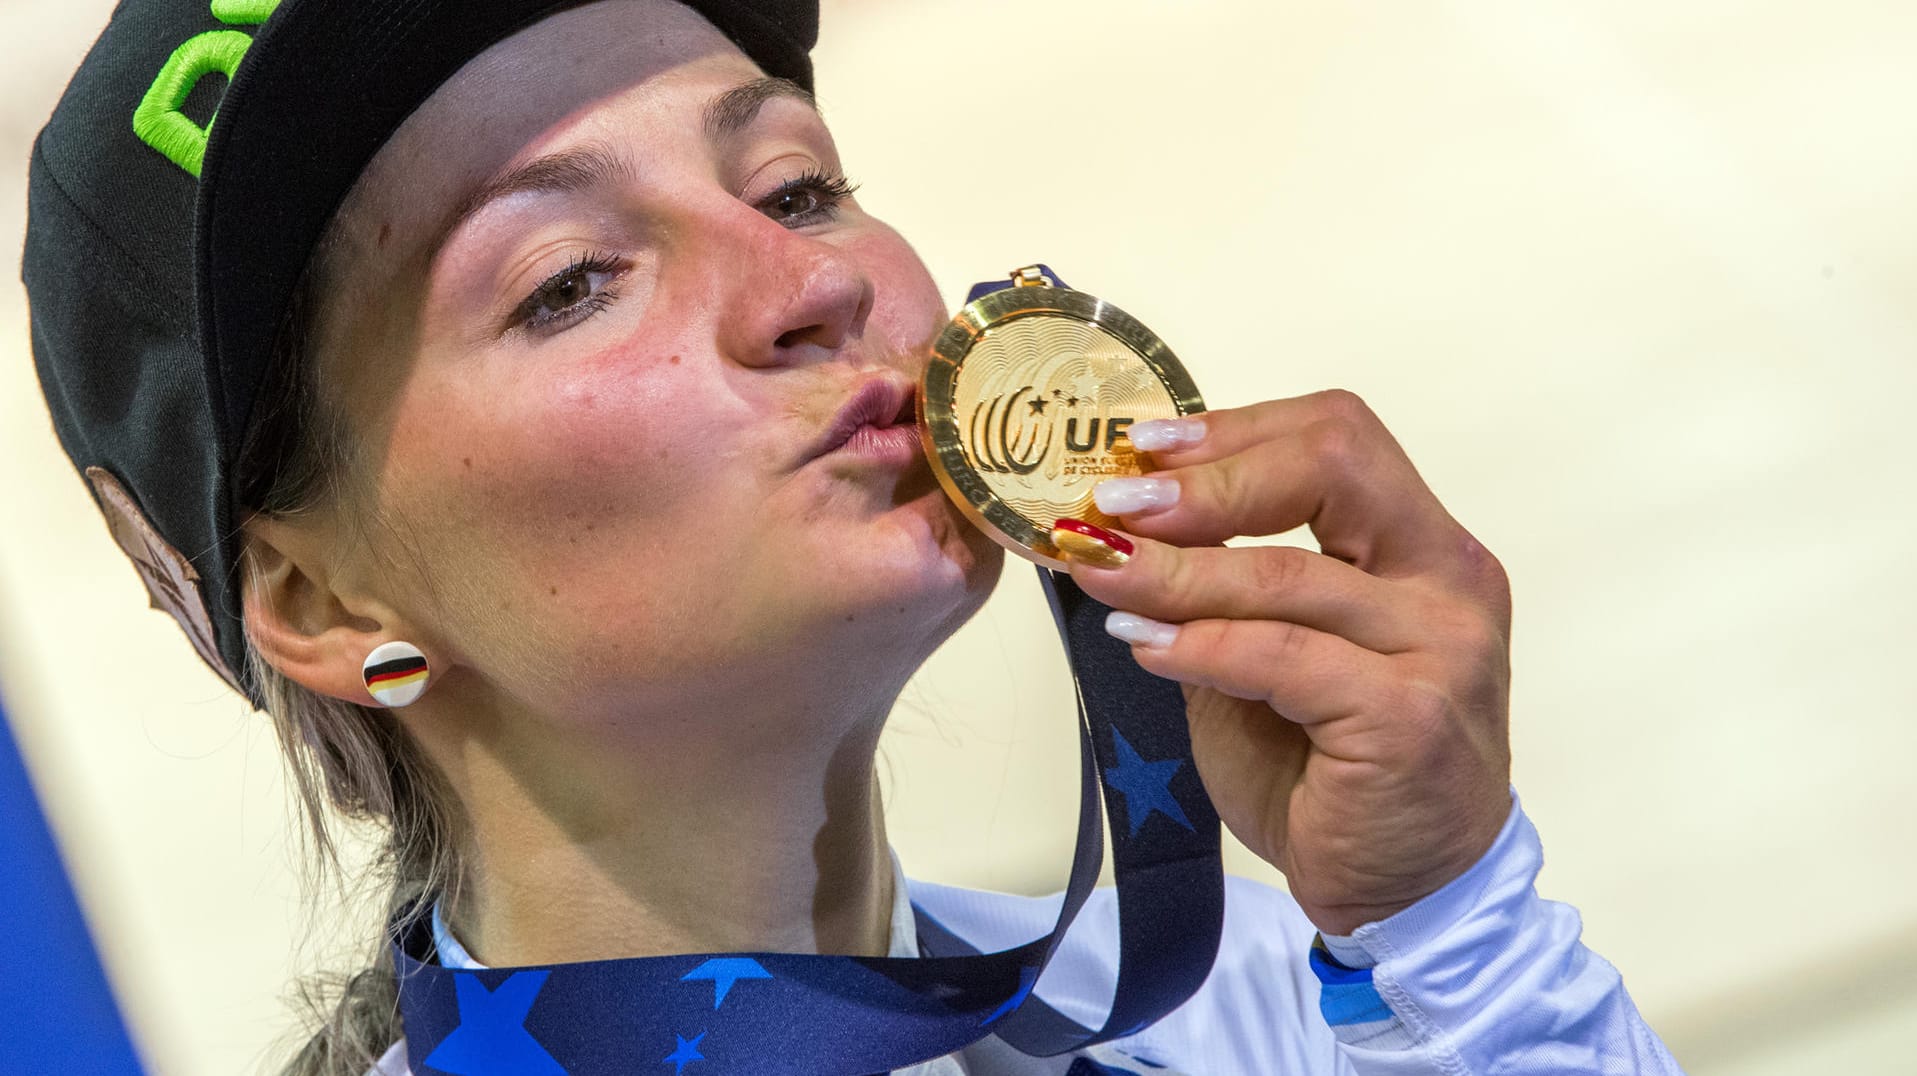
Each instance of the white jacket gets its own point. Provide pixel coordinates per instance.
(1480, 978)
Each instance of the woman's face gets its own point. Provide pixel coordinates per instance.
(597, 313)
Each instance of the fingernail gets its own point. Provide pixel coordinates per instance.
(1130, 496)
(1140, 630)
(1091, 545)
(1159, 434)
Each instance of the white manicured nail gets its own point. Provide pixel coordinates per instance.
(1159, 434)
(1129, 496)
(1140, 631)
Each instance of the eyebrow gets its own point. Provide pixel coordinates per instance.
(595, 164)
(732, 111)
(565, 172)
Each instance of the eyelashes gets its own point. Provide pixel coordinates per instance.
(808, 198)
(573, 294)
(590, 282)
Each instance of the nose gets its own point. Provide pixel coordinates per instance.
(801, 300)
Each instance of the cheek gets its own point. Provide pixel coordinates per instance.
(608, 422)
(545, 432)
(908, 310)
(561, 521)
(523, 480)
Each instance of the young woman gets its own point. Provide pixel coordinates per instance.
(532, 367)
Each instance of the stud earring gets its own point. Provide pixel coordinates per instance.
(395, 674)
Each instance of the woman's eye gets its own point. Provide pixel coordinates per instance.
(797, 203)
(808, 198)
(571, 295)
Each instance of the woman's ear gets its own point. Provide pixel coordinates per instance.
(297, 620)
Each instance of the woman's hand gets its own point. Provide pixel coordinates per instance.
(1348, 708)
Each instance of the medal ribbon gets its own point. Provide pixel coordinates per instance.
(771, 1014)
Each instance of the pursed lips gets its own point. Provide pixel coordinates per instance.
(879, 403)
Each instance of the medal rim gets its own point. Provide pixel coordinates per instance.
(939, 428)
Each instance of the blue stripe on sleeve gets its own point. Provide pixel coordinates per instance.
(1346, 995)
(1332, 973)
(1352, 1003)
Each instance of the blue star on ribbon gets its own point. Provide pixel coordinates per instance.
(724, 971)
(685, 1053)
(1027, 978)
(1145, 785)
(491, 1039)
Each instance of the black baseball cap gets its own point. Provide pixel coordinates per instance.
(165, 240)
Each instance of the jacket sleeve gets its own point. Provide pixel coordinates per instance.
(1481, 977)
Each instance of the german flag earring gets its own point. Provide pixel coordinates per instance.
(395, 674)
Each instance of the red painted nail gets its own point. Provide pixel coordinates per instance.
(1091, 544)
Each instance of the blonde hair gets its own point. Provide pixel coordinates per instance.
(348, 765)
(359, 765)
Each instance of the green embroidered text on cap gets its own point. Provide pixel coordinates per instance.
(158, 119)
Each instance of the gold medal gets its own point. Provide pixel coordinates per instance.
(1024, 405)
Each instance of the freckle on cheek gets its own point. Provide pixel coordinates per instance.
(385, 232)
(674, 360)
(468, 461)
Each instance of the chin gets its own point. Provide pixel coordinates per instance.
(922, 565)
(959, 551)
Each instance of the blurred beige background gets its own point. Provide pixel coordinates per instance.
(1632, 281)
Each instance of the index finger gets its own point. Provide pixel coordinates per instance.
(1213, 435)
(1325, 461)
